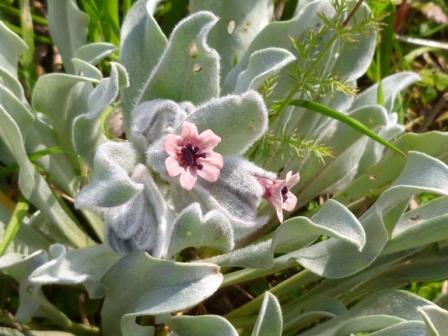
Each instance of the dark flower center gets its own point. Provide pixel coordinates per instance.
(189, 156)
(284, 193)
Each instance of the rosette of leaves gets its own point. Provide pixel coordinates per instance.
(343, 260)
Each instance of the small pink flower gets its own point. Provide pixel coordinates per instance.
(191, 154)
(277, 193)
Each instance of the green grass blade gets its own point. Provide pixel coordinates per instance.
(13, 227)
(29, 70)
(329, 112)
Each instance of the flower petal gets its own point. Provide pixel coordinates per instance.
(171, 144)
(292, 180)
(290, 202)
(188, 179)
(172, 166)
(279, 214)
(209, 173)
(213, 158)
(189, 131)
(208, 140)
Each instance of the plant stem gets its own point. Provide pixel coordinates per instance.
(241, 314)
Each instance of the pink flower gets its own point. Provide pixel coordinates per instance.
(277, 193)
(191, 154)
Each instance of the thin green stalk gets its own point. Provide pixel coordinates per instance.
(38, 38)
(250, 309)
(15, 11)
(244, 275)
(13, 227)
(64, 322)
(355, 124)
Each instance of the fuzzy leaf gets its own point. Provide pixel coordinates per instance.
(262, 65)
(30, 295)
(436, 320)
(269, 321)
(239, 22)
(140, 223)
(94, 53)
(111, 184)
(277, 34)
(152, 120)
(150, 292)
(238, 120)
(237, 194)
(378, 311)
(12, 83)
(295, 234)
(68, 28)
(34, 187)
(329, 258)
(201, 326)
(85, 69)
(86, 128)
(421, 226)
(54, 95)
(188, 70)
(192, 229)
(142, 44)
(76, 267)
(391, 86)
(347, 147)
(11, 48)
(412, 328)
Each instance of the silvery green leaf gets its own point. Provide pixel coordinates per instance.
(332, 220)
(27, 239)
(68, 28)
(410, 328)
(374, 151)
(17, 109)
(269, 321)
(193, 229)
(34, 187)
(86, 129)
(140, 286)
(377, 178)
(95, 52)
(142, 223)
(85, 69)
(42, 136)
(239, 120)
(239, 22)
(376, 311)
(19, 267)
(262, 64)
(201, 326)
(347, 147)
(349, 60)
(142, 44)
(421, 226)
(335, 258)
(111, 184)
(12, 83)
(80, 266)
(391, 85)
(152, 120)
(188, 69)
(436, 320)
(55, 95)
(10, 50)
